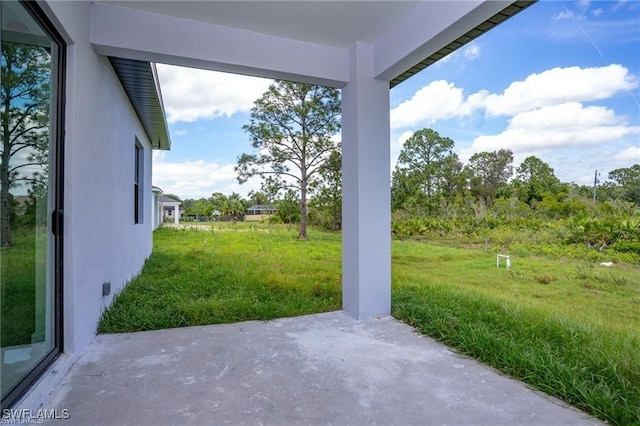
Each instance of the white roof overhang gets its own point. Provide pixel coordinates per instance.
(306, 41)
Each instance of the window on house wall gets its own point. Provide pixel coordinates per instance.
(138, 196)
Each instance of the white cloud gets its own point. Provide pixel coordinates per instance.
(628, 156)
(442, 100)
(597, 12)
(583, 4)
(557, 126)
(565, 14)
(404, 137)
(196, 179)
(181, 132)
(472, 51)
(570, 115)
(192, 94)
(619, 4)
(560, 85)
(436, 101)
(464, 154)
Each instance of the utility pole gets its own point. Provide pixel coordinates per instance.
(595, 185)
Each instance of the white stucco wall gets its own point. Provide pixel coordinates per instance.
(101, 241)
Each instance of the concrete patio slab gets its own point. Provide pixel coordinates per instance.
(324, 369)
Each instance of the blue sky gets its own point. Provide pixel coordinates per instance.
(560, 81)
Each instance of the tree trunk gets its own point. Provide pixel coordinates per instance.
(302, 234)
(5, 226)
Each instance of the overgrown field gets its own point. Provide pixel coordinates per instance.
(208, 277)
(569, 327)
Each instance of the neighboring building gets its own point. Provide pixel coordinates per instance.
(156, 215)
(169, 209)
(105, 116)
(259, 212)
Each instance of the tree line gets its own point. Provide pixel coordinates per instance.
(429, 179)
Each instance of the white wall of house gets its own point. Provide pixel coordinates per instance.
(101, 241)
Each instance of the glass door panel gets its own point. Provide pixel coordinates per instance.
(29, 298)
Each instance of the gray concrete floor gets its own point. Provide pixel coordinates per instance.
(325, 369)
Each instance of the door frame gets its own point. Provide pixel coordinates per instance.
(56, 214)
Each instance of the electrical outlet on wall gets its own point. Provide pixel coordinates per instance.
(106, 288)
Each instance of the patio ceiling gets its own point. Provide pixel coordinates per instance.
(331, 23)
(336, 24)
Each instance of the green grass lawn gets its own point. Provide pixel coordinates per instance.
(208, 277)
(568, 327)
(17, 289)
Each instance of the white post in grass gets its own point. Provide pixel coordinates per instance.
(507, 259)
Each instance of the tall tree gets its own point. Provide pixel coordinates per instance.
(407, 192)
(488, 172)
(534, 177)
(452, 179)
(424, 153)
(327, 200)
(258, 198)
(291, 127)
(629, 179)
(24, 117)
(218, 199)
(288, 208)
(234, 208)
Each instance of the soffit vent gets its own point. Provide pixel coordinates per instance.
(140, 82)
(496, 19)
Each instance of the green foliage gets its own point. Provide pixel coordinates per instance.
(233, 208)
(424, 153)
(288, 208)
(291, 128)
(430, 181)
(489, 173)
(325, 209)
(427, 174)
(24, 117)
(534, 178)
(629, 181)
(603, 232)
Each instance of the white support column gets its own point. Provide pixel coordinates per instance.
(366, 238)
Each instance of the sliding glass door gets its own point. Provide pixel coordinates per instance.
(30, 196)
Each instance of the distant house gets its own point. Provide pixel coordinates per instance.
(259, 212)
(169, 208)
(156, 214)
